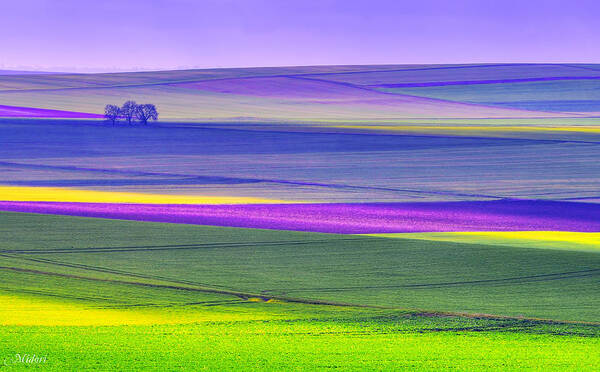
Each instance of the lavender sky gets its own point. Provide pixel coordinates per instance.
(81, 35)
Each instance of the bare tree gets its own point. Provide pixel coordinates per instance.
(112, 113)
(128, 111)
(146, 112)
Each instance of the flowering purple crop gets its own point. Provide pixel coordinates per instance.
(501, 215)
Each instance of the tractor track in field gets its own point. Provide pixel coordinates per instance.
(112, 271)
(239, 294)
(179, 246)
(513, 280)
(62, 295)
(124, 282)
(154, 305)
(246, 296)
(202, 179)
(508, 326)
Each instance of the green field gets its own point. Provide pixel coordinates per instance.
(359, 270)
(312, 338)
(107, 294)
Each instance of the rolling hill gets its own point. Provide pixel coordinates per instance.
(317, 94)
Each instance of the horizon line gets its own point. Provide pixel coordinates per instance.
(95, 70)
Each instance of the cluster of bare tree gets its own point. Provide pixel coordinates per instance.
(130, 111)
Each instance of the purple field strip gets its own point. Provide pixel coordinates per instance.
(500, 215)
(476, 82)
(32, 112)
(324, 92)
(281, 87)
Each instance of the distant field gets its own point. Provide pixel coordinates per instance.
(315, 94)
(297, 163)
(568, 95)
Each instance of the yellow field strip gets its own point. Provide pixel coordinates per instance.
(32, 310)
(565, 240)
(56, 194)
(490, 128)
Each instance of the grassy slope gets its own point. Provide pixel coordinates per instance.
(308, 341)
(409, 274)
(164, 318)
